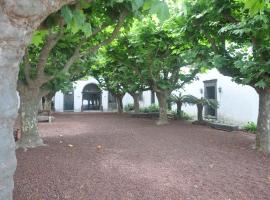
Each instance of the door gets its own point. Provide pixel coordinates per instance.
(210, 92)
(69, 101)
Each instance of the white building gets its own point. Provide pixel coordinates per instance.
(238, 104)
(86, 96)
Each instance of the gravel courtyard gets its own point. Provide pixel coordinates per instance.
(99, 156)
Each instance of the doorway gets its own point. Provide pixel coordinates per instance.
(69, 101)
(210, 92)
(91, 97)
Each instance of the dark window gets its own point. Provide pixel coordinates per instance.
(153, 97)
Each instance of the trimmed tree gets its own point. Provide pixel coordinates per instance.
(44, 61)
(19, 19)
(240, 46)
(165, 62)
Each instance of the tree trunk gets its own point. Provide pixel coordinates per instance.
(136, 98)
(9, 61)
(119, 100)
(29, 118)
(18, 20)
(179, 109)
(263, 123)
(200, 112)
(48, 101)
(162, 101)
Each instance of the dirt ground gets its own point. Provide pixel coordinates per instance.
(94, 156)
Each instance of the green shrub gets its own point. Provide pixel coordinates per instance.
(150, 109)
(129, 107)
(250, 127)
(183, 115)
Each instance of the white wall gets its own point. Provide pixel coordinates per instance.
(237, 103)
(78, 88)
(59, 102)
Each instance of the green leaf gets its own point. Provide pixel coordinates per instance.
(87, 29)
(136, 4)
(67, 14)
(38, 37)
(148, 4)
(161, 9)
(73, 26)
(261, 84)
(255, 6)
(79, 17)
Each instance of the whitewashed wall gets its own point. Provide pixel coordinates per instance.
(237, 103)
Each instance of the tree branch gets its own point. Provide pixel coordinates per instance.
(114, 34)
(77, 54)
(26, 67)
(51, 41)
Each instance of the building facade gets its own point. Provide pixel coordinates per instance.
(86, 96)
(238, 104)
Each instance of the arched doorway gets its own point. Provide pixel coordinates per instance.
(91, 97)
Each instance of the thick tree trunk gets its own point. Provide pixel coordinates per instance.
(179, 109)
(119, 100)
(29, 122)
(162, 101)
(136, 99)
(263, 123)
(200, 112)
(18, 20)
(8, 112)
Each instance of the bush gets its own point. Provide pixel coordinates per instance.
(150, 109)
(129, 107)
(183, 115)
(250, 127)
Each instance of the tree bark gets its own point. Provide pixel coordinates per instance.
(263, 123)
(119, 100)
(200, 112)
(48, 101)
(136, 99)
(18, 20)
(162, 101)
(8, 113)
(30, 100)
(179, 109)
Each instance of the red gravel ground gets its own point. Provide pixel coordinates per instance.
(121, 158)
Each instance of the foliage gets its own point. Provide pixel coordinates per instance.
(256, 6)
(183, 115)
(129, 107)
(250, 127)
(180, 98)
(190, 99)
(238, 49)
(150, 109)
(165, 61)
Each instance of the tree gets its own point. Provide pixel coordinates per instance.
(200, 103)
(128, 78)
(239, 42)
(165, 62)
(42, 63)
(19, 19)
(179, 100)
